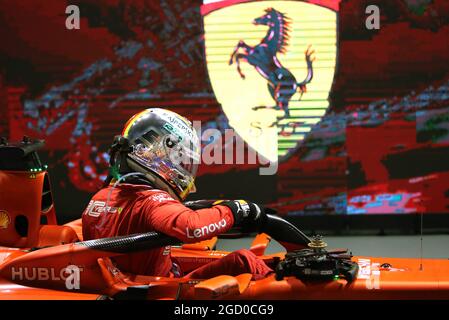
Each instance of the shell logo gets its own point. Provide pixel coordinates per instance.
(4, 219)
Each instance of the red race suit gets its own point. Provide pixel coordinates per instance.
(140, 208)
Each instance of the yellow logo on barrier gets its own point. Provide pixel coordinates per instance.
(4, 219)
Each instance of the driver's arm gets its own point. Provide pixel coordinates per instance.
(171, 217)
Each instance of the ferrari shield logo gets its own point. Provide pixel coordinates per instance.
(271, 65)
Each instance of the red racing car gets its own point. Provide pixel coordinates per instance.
(42, 260)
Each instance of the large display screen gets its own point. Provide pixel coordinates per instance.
(347, 102)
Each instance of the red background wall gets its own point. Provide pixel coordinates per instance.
(386, 132)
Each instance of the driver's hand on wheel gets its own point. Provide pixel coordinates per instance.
(247, 215)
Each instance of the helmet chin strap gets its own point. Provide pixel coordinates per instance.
(153, 178)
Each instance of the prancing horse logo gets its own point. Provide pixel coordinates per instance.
(282, 84)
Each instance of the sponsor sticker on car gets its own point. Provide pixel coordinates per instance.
(71, 275)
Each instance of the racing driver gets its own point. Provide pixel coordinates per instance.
(153, 165)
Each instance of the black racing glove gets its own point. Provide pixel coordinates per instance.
(247, 215)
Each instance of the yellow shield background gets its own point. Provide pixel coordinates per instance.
(310, 25)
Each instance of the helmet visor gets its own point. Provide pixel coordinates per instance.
(171, 156)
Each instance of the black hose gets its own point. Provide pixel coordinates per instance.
(131, 243)
(276, 227)
(283, 231)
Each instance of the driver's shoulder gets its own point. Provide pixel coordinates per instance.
(155, 195)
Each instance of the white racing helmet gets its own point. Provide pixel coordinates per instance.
(165, 148)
